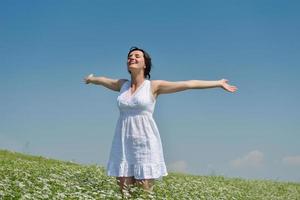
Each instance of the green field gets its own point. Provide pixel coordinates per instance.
(33, 177)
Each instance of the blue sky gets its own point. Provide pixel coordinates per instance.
(48, 47)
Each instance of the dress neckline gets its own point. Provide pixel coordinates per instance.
(137, 89)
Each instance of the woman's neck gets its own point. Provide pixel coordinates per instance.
(138, 79)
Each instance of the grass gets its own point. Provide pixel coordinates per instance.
(35, 177)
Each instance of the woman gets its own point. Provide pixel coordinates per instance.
(136, 155)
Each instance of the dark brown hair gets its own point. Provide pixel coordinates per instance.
(147, 59)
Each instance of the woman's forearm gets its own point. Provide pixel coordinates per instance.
(200, 84)
(96, 80)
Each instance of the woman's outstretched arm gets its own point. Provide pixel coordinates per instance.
(113, 84)
(164, 87)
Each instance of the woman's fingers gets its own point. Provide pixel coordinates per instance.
(86, 79)
(232, 88)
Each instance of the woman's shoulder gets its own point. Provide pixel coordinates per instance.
(155, 84)
(155, 81)
(123, 80)
(121, 83)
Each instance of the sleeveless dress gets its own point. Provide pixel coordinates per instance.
(136, 148)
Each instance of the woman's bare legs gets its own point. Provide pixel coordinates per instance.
(125, 183)
(146, 184)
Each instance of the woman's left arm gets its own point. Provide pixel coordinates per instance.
(165, 87)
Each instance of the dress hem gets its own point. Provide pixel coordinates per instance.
(138, 171)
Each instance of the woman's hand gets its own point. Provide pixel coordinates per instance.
(226, 86)
(88, 78)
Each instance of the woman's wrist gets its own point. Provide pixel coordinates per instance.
(220, 83)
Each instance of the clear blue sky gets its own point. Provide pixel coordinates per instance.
(48, 47)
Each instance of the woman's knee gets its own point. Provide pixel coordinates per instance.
(125, 181)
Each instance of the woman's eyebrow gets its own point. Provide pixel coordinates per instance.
(134, 54)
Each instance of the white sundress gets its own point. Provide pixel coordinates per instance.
(136, 148)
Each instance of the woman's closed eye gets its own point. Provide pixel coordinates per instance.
(136, 55)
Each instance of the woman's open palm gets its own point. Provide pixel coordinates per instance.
(226, 86)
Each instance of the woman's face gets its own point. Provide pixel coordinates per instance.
(136, 60)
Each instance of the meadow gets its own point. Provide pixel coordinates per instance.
(34, 177)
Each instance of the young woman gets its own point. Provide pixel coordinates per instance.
(136, 155)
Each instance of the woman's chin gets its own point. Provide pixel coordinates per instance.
(132, 68)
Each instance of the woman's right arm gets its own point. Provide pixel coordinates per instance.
(113, 84)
